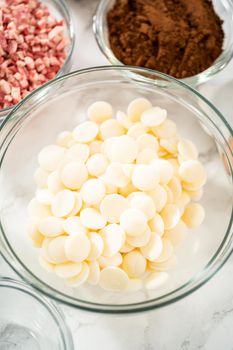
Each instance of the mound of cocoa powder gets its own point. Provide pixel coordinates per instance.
(178, 37)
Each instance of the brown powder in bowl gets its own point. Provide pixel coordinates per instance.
(178, 37)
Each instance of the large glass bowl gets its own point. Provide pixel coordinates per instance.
(60, 105)
(224, 9)
(60, 10)
(30, 321)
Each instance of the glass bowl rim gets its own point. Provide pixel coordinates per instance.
(54, 311)
(198, 280)
(72, 38)
(197, 79)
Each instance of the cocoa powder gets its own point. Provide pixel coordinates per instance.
(178, 37)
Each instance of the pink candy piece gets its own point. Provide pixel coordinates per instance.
(32, 48)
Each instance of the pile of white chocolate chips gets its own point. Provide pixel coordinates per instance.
(115, 198)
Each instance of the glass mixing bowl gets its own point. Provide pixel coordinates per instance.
(224, 9)
(60, 105)
(60, 10)
(30, 321)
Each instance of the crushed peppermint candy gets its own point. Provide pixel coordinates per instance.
(32, 48)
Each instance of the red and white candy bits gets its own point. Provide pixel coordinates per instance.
(32, 48)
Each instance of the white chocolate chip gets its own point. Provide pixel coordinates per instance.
(51, 226)
(74, 174)
(115, 175)
(187, 150)
(85, 132)
(154, 116)
(93, 191)
(62, 203)
(133, 194)
(194, 215)
(115, 260)
(77, 205)
(144, 203)
(159, 196)
(113, 279)
(92, 219)
(171, 216)
(99, 111)
(55, 249)
(176, 188)
(137, 130)
(123, 120)
(157, 225)
(113, 237)
(54, 182)
(97, 246)
(166, 129)
(97, 164)
(147, 141)
(72, 225)
(146, 156)
(166, 252)
(170, 144)
(175, 165)
(126, 248)
(112, 206)
(123, 149)
(154, 247)
(77, 247)
(139, 241)
(192, 171)
(137, 107)
(144, 177)
(133, 221)
(164, 170)
(111, 128)
(79, 279)
(134, 264)
(170, 198)
(68, 269)
(106, 146)
(78, 152)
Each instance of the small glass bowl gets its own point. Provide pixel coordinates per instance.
(30, 321)
(60, 10)
(60, 105)
(224, 9)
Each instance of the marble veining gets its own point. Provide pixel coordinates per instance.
(203, 320)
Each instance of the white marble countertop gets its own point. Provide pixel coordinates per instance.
(203, 320)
